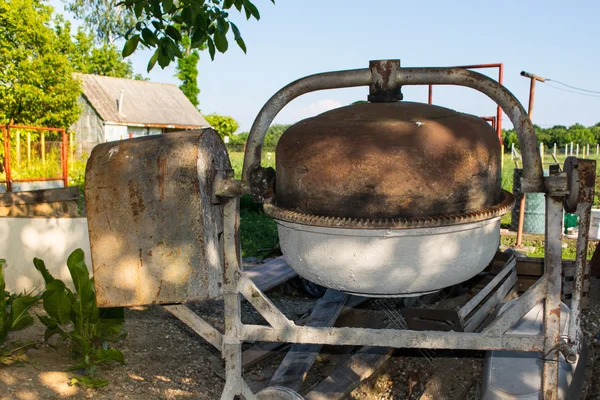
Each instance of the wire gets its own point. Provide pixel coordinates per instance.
(570, 91)
(573, 87)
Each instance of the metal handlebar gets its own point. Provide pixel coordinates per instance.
(532, 180)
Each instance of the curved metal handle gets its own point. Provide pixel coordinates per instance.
(532, 180)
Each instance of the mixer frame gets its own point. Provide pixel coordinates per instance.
(572, 189)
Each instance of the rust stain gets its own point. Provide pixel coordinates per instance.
(136, 199)
(555, 312)
(160, 179)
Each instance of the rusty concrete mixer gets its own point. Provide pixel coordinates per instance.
(386, 198)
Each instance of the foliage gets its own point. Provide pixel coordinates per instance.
(187, 71)
(36, 82)
(561, 135)
(236, 142)
(163, 23)
(258, 231)
(108, 19)
(14, 314)
(75, 317)
(88, 58)
(223, 124)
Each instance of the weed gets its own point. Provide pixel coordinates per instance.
(75, 317)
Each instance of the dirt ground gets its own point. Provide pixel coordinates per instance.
(166, 360)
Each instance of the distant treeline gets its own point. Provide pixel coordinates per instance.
(561, 135)
(236, 142)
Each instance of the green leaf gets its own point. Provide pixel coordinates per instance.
(56, 302)
(138, 8)
(3, 316)
(221, 42)
(222, 26)
(89, 382)
(251, 10)
(211, 48)
(130, 45)
(48, 321)
(110, 322)
(49, 332)
(173, 33)
(80, 275)
(110, 355)
(19, 312)
(149, 37)
(153, 60)
(241, 43)
(227, 4)
(41, 266)
(85, 346)
(167, 5)
(198, 39)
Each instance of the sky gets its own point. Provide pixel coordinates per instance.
(554, 39)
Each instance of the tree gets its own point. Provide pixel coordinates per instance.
(108, 19)
(187, 71)
(223, 124)
(162, 25)
(37, 86)
(87, 57)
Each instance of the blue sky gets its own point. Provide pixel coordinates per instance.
(294, 38)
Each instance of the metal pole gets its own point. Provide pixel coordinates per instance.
(430, 95)
(7, 159)
(43, 144)
(553, 266)
(65, 159)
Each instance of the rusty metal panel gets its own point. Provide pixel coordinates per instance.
(154, 230)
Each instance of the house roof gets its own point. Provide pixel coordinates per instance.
(144, 103)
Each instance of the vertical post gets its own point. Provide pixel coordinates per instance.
(512, 151)
(554, 151)
(553, 266)
(587, 150)
(542, 151)
(597, 149)
(566, 150)
(64, 159)
(571, 148)
(43, 145)
(28, 149)
(577, 150)
(232, 346)
(18, 140)
(71, 149)
(430, 95)
(7, 159)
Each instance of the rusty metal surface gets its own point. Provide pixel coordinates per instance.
(531, 182)
(389, 160)
(391, 223)
(384, 83)
(154, 232)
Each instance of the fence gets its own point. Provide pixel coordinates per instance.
(29, 157)
(557, 152)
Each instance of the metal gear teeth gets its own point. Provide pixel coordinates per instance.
(390, 223)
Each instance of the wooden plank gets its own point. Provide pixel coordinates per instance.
(271, 274)
(347, 377)
(295, 366)
(39, 196)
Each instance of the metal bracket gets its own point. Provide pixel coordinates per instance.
(384, 85)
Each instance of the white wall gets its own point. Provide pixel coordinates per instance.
(115, 132)
(50, 239)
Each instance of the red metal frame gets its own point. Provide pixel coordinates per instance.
(64, 156)
(500, 67)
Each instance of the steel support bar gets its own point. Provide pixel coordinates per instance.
(261, 303)
(195, 322)
(532, 180)
(553, 269)
(232, 344)
(392, 338)
(514, 312)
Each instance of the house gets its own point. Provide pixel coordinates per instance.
(117, 108)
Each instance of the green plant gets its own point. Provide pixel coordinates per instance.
(75, 317)
(14, 314)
